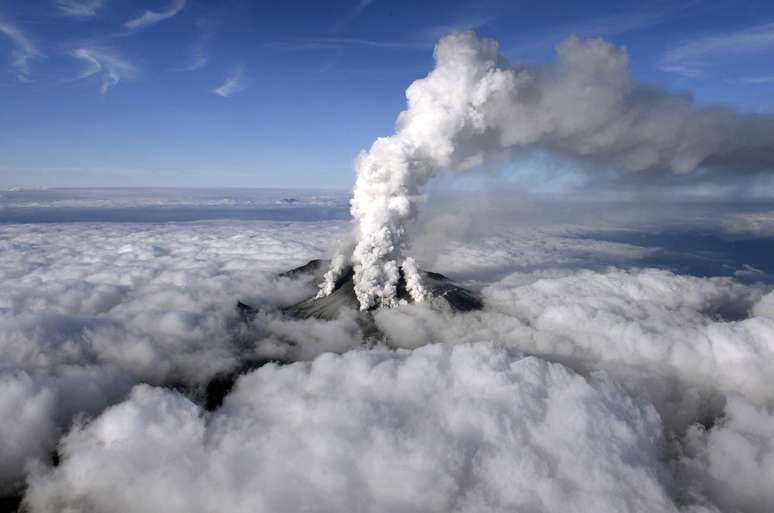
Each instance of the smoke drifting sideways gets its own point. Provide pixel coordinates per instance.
(474, 106)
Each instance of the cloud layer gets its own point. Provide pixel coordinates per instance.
(466, 428)
(135, 303)
(644, 388)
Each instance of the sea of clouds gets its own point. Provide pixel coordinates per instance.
(590, 381)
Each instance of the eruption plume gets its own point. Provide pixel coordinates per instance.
(474, 105)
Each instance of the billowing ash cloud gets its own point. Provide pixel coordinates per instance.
(449, 429)
(474, 105)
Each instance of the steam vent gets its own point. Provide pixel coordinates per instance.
(442, 293)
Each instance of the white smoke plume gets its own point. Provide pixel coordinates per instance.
(413, 280)
(474, 105)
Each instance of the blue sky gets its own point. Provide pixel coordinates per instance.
(284, 94)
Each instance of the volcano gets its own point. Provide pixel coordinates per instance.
(442, 294)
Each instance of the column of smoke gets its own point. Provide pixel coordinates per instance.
(474, 105)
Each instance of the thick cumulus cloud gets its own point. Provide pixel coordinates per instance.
(733, 462)
(765, 307)
(682, 342)
(86, 310)
(38, 407)
(587, 105)
(465, 428)
(154, 300)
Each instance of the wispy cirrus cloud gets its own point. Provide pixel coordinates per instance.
(79, 9)
(693, 58)
(616, 23)
(235, 82)
(358, 9)
(23, 50)
(105, 64)
(150, 18)
(200, 55)
(199, 59)
(339, 43)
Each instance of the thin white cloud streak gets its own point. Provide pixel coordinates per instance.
(759, 80)
(24, 50)
(339, 43)
(351, 16)
(199, 60)
(234, 83)
(200, 56)
(692, 59)
(362, 5)
(605, 26)
(105, 64)
(79, 9)
(150, 18)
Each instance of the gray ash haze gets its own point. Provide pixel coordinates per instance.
(622, 361)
